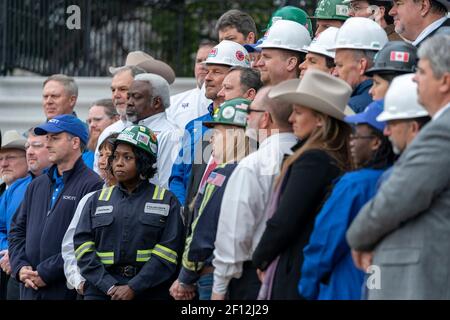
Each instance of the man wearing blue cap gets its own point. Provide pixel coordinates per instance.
(50, 201)
(328, 271)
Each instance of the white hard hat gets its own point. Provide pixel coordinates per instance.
(286, 34)
(401, 100)
(323, 42)
(360, 34)
(229, 53)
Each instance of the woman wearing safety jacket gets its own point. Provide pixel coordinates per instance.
(130, 236)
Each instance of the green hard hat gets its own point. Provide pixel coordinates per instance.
(232, 112)
(294, 14)
(331, 10)
(140, 137)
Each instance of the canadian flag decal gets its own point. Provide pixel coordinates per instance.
(399, 56)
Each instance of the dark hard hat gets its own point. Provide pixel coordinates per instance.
(396, 57)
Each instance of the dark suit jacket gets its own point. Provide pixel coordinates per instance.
(445, 25)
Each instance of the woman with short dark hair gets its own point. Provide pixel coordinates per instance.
(129, 238)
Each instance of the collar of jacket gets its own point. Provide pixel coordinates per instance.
(362, 87)
(298, 145)
(45, 171)
(79, 164)
(211, 109)
(137, 191)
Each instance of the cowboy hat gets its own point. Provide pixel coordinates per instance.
(149, 64)
(317, 90)
(12, 139)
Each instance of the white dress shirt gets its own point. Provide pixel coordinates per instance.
(169, 139)
(242, 217)
(187, 105)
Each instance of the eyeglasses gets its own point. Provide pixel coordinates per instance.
(250, 110)
(35, 145)
(357, 7)
(357, 136)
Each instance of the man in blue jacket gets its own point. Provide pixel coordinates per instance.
(49, 203)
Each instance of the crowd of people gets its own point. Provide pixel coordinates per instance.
(306, 164)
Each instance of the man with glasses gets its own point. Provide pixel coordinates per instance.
(37, 159)
(242, 219)
(13, 166)
(378, 11)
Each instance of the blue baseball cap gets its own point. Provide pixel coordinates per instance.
(64, 123)
(254, 47)
(369, 116)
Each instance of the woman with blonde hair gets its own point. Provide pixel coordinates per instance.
(229, 146)
(322, 155)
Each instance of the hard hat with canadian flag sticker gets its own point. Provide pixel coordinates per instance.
(396, 57)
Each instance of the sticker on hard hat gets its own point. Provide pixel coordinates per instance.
(400, 56)
(341, 10)
(143, 138)
(240, 55)
(127, 138)
(240, 117)
(276, 18)
(213, 52)
(153, 148)
(242, 106)
(228, 112)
